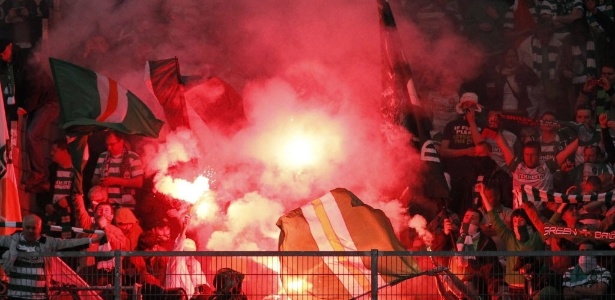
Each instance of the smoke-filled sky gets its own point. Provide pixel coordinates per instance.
(309, 75)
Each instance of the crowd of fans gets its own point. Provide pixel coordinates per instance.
(539, 113)
(111, 210)
(113, 184)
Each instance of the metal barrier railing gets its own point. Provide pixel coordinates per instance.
(311, 275)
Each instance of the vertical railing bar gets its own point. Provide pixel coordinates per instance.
(374, 267)
(117, 283)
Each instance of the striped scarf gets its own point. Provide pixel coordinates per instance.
(552, 54)
(529, 193)
(588, 57)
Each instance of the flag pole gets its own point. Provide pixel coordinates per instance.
(450, 234)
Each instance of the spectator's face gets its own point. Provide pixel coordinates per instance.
(32, 229)
(163, 233)
(114, 145)
(588, 188)
(546, 127)
(583, 116)
(104, 211)
(609, 74)
(125, 227)
(98, 194)
(544, 34)
(510, 59)
(518, 221)
(59, 155)
(531, 157)
(493, 121)
(590, 155)
(471, 217)
(467, 105)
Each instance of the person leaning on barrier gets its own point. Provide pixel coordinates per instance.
(520, 236)
(482, 273)
(149, 271)
(564, 215)
(29, 277)
(114, 239)
(549, 283)
(185, 272)
(586, 279)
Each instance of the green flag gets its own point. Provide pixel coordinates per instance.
(89, 102)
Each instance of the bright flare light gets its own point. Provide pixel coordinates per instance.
(299, 152)
(182, 189)
(206, 207)
(298, 286)
(305, 141)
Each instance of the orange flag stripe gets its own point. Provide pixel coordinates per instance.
(111, 101)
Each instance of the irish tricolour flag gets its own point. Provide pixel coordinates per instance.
(336, 222)
(89, 100)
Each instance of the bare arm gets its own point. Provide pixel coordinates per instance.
(476, 136)
(133, 182)
(82, 216)
(508, 153)
(569, 150)
(179, 241)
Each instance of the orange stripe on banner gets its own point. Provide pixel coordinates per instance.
(336, 244)
(326, 225)
(112, 101)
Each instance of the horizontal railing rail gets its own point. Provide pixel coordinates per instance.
(298, 274)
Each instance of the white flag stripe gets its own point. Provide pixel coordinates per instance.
(414, 98)
(119, 113)
(323, 243)
(341, 231)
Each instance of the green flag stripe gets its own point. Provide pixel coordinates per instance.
(85, 100)
(80, 103)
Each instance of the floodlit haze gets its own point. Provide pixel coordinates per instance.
(309, 75)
